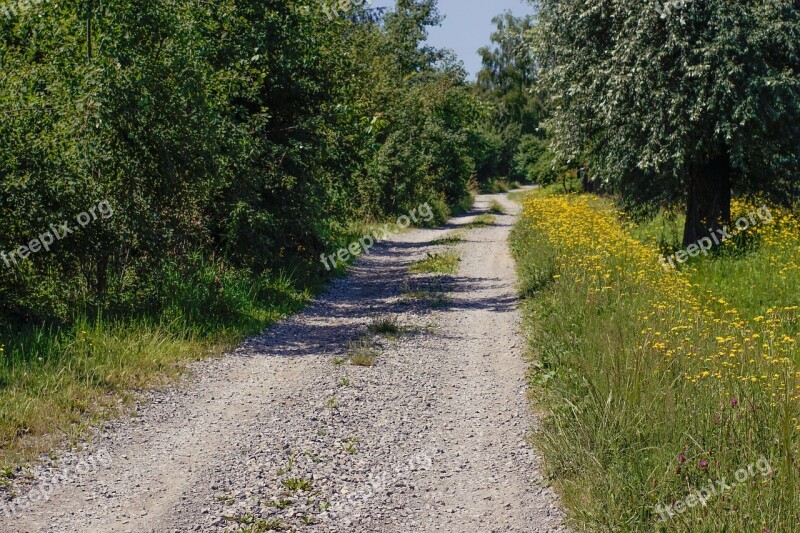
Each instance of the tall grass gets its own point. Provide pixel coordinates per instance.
(56, 380)
(653, 384)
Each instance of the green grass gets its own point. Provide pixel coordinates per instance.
(622, 429)
(449, 240)
(296, 484)
(385, 325)
(482, 221)
(361, 352)
(57, 381)
(435, 298)
(496, 208)
(438, 263)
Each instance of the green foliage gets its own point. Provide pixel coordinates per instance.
(511, 110)
(231, 139)
(676, 102)
(535, 163)
(235, 140)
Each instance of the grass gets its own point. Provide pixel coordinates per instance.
(298, 484)
(496, 208)
(385, 325)
(438, 263)
(482, 221)
(655, 384)
(362, 353)
(253, 525)
(58, 381)
(449, 240)
(436, 297)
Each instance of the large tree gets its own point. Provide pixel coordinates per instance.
(677, 102)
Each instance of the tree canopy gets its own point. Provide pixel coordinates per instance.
(683, 104)
(245, 135)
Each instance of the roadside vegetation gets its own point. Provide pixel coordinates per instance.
(657, 383)
(235, 142)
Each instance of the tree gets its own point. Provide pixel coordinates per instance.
(685, 105)
(505, 83)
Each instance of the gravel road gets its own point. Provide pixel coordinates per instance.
(279, 433)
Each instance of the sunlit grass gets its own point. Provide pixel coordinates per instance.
(57, 381)
(496, 208)
(438, 263)
(660, 382)
(455, 238)
(482, 221)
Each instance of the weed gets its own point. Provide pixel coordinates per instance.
(338, 361)
(226, 499)
(256, 525)
(297, 484)
(351, 449)
(344, 382)
(288, 467)
(482, 221)
(331, 403)
(314, 457)
(281, 503)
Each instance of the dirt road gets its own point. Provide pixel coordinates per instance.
(281, 434)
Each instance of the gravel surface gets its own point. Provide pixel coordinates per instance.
(280, 433)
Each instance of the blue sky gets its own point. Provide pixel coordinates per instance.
(468, 25)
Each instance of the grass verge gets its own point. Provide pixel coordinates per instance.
(654, 386)
(57, 381)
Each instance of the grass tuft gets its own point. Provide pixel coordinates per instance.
(482, 221)
(385, 325)
(455, 238)
(496, 208)
(438, 263)
(362, 353)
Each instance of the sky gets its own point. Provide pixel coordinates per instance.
(468, 25)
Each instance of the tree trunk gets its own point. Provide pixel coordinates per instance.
(708, 205)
